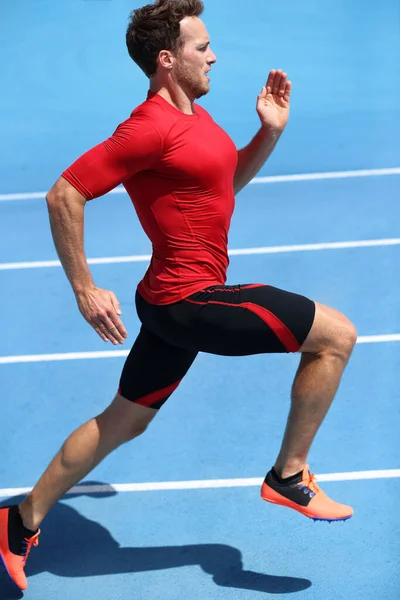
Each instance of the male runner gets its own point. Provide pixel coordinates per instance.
(182, 172)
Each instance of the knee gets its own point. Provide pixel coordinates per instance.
(124, 421)
(332, 334)
(120, 427)
(130, 431)
(344, 337)
(126, 432)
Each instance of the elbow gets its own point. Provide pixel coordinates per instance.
(51, 198)
(54, 198)
(61, 194)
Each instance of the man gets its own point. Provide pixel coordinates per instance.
(182, 171)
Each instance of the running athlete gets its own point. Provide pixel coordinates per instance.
(182, 172)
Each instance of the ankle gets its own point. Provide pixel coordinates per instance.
(288, 469)
(27, 516)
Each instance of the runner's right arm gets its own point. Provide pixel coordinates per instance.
(135, 146)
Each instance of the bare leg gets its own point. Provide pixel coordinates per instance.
(82, 452)
(325, 354)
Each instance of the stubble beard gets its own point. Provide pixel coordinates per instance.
(191, 83)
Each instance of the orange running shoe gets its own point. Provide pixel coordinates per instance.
(303, 494)
(15, 545)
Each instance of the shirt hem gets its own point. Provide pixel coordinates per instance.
(168, 298)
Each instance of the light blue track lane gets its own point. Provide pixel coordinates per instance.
(216, 544)
(66, 83)
(225, 420)
(320, 211)
(40, 301)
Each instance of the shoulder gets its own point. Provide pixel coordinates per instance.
(152, 114)
(142, 125)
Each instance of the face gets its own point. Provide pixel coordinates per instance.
(193, 61)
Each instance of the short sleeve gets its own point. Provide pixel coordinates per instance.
(135, 146)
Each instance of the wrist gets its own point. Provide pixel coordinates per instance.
(267, 131)
(81, 289)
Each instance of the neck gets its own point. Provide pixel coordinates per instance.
(173, 95)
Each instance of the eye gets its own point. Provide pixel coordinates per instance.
(204, 48)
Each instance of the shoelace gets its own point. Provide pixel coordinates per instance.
(311, 483)
(27, 546)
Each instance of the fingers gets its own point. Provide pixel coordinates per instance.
(115, 303)
(270, 82)
(100, 333)
(101, 310)
(112, 328)
(263, 93)
(287, 92)
(277, 84)
(114, 317)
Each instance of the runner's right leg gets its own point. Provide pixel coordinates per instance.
(153, 370)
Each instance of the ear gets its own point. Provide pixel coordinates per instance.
(166, 59)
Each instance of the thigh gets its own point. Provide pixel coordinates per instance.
(153, 370)
(250, 319)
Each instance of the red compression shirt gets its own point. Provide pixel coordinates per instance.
(178, 171)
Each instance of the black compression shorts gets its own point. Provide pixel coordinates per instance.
(227, 320)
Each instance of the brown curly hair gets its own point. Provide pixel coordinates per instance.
(156, 27)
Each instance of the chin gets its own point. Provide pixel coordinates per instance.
(202, 92)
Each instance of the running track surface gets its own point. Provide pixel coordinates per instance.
(67, 82)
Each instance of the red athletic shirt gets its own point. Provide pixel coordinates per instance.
(178, 171)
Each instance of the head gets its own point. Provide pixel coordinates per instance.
(169, 41)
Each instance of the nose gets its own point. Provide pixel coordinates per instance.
(212, 58)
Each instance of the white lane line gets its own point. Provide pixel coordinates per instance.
(44, 264)
(329, 175)
(378, 339)
(109, 260)
(256, 180)
(203, 484)
(35, 358)
(316, 247)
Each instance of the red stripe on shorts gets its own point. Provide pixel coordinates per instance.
(253, 285)
(156, 396)
(282, 332)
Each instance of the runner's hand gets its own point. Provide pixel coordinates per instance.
(273, 103)
(101, 310)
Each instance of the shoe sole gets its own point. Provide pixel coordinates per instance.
(305, 515)
(342, 519)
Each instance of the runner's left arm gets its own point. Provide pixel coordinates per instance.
(273, 108)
